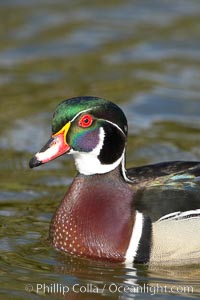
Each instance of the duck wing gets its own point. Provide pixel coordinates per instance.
(165, 188)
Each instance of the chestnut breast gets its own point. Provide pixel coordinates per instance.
(94, 219)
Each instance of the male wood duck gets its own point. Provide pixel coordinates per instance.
(148, 214)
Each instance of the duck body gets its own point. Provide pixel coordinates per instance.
(141, 215)
(175, 240)
(167, 187)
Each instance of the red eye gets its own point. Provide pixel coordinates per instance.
(85, 121)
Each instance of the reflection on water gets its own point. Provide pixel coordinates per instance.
(144, 55)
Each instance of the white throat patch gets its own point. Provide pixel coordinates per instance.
(89, 164)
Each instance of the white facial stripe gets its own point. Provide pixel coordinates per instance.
(115, 126)
(124, 170)
(135, 238)
(98, 148)
(80, 112)
(89, 164)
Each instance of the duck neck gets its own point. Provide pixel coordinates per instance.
(90, 163)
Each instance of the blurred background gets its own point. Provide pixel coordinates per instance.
(143, 55)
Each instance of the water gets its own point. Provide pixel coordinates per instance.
(145, 56)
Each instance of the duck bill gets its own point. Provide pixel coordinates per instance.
(54, 148)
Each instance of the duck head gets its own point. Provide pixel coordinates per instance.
(92, 129)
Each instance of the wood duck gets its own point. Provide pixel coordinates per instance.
(148, 214)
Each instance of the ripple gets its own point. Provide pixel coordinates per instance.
(22, 196)
(27, 135)
(155, 51)
(7, 213)
(163, 152)
(162, 105)
(186, 78)
(45, 77)
(6, 79)
(37, 23)
(79, 42)
(56, 181)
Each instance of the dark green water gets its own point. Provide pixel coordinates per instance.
(143, 55)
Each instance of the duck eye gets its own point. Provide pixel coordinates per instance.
(85, 121)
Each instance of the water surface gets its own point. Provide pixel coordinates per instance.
(143, 55)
